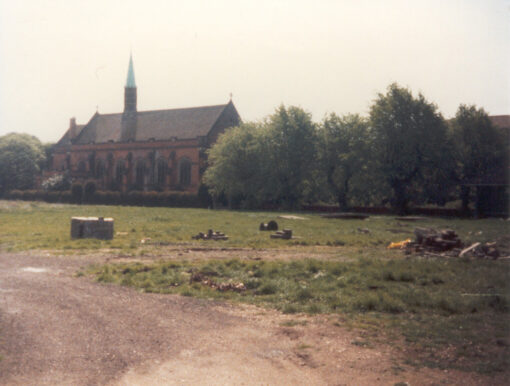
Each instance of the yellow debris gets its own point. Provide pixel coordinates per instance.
(400, 244)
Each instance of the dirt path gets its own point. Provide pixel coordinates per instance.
(59, 329)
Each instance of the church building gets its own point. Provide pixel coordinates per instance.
(142, 150)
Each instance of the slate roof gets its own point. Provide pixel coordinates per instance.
(502, 121)
(65, 140)
(185, 123)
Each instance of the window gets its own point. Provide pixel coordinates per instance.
(99, 169)
(119, 172)
(140, 174)
(161, 172)
(82, 166)
(184, 172)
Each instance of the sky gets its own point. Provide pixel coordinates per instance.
(68, 58)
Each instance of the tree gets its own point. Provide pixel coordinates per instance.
(21, 158)
(265, 162)
(237, 164)
(291, 138)
(343, 153)
(480, 148)
(410, 139)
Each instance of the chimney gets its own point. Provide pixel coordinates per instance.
(72, 128)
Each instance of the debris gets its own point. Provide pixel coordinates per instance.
(470, 248)
(446, 243)
(145, 240)
(290, 217)
(210, 235)
(364, 230)
(346, 216)
(203, 279)
(270, 226)
(438, 241)
(399, 244)
(285, 234)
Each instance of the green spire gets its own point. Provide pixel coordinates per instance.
(130, 82)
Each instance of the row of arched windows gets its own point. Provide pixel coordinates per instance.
(141, 171)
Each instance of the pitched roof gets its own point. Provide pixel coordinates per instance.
(66, 138)
(502, 121)
(159, 125)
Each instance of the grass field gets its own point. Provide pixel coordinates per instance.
(33, 225)
(445, 312)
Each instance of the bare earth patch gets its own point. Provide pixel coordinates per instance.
(59, 329)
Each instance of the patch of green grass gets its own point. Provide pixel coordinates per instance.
(36, 225)
(464, 304)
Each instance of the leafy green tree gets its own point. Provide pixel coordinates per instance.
(480, 148)
(291, 139)
(21, 158)
(410, 140)
(270, 161)
(237, 164)
(344, 152)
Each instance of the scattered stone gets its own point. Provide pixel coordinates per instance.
(364, 230)
(210, 235)
(285, 234)
(197, 277)
(270, 226)
(92, 227)
(446, 243)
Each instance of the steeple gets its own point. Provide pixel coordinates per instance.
(129, 117)
(130, 89)
(130, 81)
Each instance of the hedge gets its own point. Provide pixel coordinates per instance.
(135, 198)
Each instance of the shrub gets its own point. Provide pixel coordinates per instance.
(58, 182)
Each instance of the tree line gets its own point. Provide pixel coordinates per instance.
(403, 153)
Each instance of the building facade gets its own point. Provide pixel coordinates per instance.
(142, 150)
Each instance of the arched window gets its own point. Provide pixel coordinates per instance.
(120, 170)
(161, 171)
(140, 173)
(184, 172)
(99, 168)
(82, 166)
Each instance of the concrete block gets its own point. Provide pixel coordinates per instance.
(92, 227)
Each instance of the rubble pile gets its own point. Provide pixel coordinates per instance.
(210, 235)
(438, 241)
(285, 234)
(446, 243)
(270, 226)
(197, 277)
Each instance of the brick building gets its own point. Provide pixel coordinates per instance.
(142, 150)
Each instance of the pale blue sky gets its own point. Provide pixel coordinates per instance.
(60, 59)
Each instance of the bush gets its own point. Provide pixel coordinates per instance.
(59, 182)
(78, 194)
